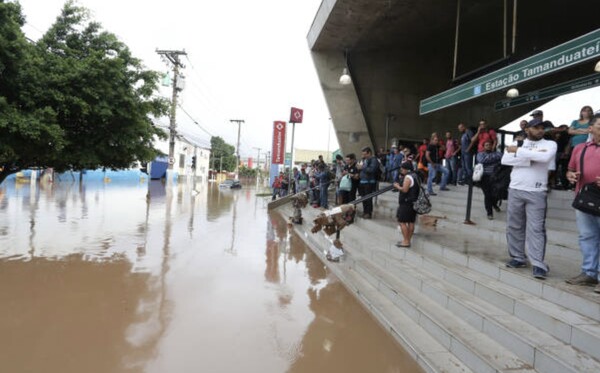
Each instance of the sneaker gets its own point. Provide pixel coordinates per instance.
(539, 273)
(444, 189)
(490, 217)
(432, 194)
(366, 216)
(497, 209)
(583, 280)
(514, 263)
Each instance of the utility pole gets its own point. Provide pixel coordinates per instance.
(257, 158)
(258, 173)
(173, 57)
(237, 149)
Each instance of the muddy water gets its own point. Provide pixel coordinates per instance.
(127, 277)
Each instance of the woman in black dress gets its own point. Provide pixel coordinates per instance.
(408, 184)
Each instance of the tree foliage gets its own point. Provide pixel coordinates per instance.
(248, 172)
(76, 99)
(222, 152)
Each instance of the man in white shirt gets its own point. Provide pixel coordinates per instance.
(527, 198)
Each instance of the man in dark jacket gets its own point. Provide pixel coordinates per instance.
(368, 181)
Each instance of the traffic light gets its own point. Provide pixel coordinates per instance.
(193, 162)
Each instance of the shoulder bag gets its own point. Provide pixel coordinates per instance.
(588, 198)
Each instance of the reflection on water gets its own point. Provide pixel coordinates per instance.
(135, 277)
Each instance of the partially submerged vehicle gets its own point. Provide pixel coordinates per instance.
(230, 184)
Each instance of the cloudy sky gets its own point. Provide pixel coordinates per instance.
(246, 60)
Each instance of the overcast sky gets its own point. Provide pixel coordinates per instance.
(246, 60)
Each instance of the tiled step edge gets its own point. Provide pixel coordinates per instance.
(475, 349)
(526, 341)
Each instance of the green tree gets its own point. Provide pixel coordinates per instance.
(28, 132)
(76, 99)
(247, 172)
(221, 151)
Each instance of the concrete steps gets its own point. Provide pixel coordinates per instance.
(540, 323)
(431, 355)
(452, 286)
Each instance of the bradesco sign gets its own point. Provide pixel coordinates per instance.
(278, 150)
(562, 56)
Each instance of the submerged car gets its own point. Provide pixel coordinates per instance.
(230, 184)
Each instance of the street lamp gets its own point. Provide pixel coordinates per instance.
(345, 78)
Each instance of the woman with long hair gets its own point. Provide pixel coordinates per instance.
(579, 127)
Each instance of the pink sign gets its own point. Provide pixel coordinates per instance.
(296, 115)
(278, 151)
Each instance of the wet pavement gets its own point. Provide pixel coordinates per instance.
(127, 277)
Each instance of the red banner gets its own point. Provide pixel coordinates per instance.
(296, 115)
(278, 152)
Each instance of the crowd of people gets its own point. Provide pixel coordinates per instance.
(542, 157)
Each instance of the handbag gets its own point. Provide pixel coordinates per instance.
(478, 172)
(422, 205)
(345, 183)
(588, 198)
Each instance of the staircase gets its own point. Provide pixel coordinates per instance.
(450, 301)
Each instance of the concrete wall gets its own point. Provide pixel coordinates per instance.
(346, 113)
(402, 51)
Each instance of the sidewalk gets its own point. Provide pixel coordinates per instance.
(451, 302)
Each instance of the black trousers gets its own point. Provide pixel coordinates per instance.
(489, 200)
(365, 189)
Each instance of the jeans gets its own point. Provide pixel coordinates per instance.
(275, 194)
(467, 166)
(323, 195)
(589, 241)
(452, 169)
(433, 170)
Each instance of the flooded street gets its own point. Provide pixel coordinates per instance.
(127, 277)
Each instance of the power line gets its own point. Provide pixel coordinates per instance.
(195, 121)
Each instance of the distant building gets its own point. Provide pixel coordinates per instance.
(305, 155)
(186, 148)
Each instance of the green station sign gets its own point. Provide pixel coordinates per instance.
(571, 86)
(568, 54)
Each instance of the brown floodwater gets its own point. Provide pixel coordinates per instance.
(132, 277)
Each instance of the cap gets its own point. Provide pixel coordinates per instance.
(547, 124)
(537, 112)
(533, 123)
(407, 166)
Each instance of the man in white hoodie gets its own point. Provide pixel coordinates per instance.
(527, 198)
